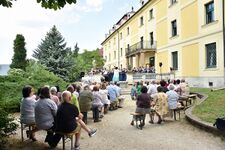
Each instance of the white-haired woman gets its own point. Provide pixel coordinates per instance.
(54, 97)
(172, 98)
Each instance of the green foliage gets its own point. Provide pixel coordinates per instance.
(84, 63)
(213, 107)
(6, 3)
(11, 86)
(53, 53)
(7, 126)
(48, 4)
(20, 53)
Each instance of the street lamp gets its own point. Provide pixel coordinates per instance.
(160, 65)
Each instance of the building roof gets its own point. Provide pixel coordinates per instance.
(141, 8)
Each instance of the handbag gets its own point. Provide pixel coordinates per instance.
(220, 124)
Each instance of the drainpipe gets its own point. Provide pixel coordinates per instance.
(223, 31)
(118, 50)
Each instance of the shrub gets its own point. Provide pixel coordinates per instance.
(11, 85)
(7, 126)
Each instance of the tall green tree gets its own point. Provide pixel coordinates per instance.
(53, 53)
(48, 4)
(20, 53)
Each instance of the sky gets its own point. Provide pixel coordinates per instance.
(85, 23)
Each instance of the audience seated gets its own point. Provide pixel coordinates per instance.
(27, 110)
(85, 101)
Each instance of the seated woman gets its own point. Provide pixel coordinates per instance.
(104, 95)
(143, 104)
(160, 104)
(45, 112)
(97, 104)
(85, 102)
(172, 98)
(27, 110)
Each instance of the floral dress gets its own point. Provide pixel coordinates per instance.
(161, 104)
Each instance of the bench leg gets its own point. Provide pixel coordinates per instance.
(72, 142)
(63, 138)
(174, 115)
(179, 114)
(22, 132)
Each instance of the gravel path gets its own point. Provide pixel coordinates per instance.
(115, 132)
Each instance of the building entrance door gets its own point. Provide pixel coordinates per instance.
(152, 61)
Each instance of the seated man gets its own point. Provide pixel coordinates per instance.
(66, 119)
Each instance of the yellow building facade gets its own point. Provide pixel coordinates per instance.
(186, 36)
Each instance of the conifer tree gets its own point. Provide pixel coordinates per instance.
(19, 58)
(53, 53)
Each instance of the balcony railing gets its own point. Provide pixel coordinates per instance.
(141, 46)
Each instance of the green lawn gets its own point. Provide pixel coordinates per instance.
(211, 108)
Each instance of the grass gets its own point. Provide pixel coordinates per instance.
(213, 107)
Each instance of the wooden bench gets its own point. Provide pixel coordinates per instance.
(23, 127)
(187, 99)
(69, 136)
(138, 117)
(175, 111)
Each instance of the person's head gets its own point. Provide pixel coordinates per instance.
(27, 91)
(118, 84)
(45, 93)
(74, 86)
(95, 88)
(70, 88)
(86, 87)
(171, 87)
(182, 81)
(66, 96)
(53, 90)
(153, 82)
(178, 81)
(163, 83)
(78, 88)
(144, 89)
(103, 86)
(160, 89)
(137, 83)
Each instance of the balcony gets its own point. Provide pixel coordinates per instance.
(139, 47)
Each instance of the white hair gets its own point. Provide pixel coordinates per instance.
(64, 93)
(171, 87)
(53, 89)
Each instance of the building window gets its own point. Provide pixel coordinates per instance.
(109, 44)
(121, 52)
(173, 2)
(151, 38)
(209, 8)
(142, 42)
(114, 54)
(121, 35)
(174, 27)
(175, 60)
(128, 30)
(109, 57)
(105, 58)
(211, 55)
(150, 14)
(142, 21)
